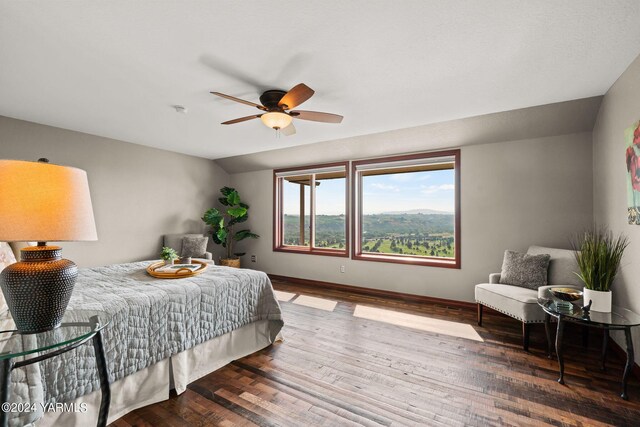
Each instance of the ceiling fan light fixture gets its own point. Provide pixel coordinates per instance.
(276, 120)
(275, 106)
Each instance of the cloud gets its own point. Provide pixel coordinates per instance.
(409, 177)
(385, 187)
(435, 188)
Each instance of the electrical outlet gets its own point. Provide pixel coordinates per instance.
(254, 258)
(342, 270)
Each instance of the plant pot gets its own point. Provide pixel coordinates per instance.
(230, 262)
(169, 261)
(601, 301)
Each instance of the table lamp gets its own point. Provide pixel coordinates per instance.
(42, 202)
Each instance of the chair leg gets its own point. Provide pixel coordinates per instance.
(480, 306)
(525, 335)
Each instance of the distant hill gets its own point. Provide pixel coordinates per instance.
(330, 228)
(417, 211)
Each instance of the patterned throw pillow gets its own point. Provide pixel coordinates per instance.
(524, 270)
(194, 247)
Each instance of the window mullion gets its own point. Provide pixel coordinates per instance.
(302, 210)
(358, 213)
(312, 212)
(280, 211)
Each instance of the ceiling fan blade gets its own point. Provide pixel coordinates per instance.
(289, 130)
(296, 96)
(242, 101)
(316, 116)
(241, 119)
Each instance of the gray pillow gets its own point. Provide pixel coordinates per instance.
(524, 270)
(562, 266)
(194, 247)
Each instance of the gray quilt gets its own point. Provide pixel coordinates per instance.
(152, 320)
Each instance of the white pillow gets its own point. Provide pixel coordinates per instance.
(6, 255)
(6, 258)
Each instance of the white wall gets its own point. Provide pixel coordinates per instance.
(620, 109)
(138, 193)
(514, 194)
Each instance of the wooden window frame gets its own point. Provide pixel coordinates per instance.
(356, 206)
(278, 245)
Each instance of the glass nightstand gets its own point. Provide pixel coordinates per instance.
(20, 349)
(620, 319)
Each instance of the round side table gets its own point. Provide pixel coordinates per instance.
(620, 319)
(78, 327)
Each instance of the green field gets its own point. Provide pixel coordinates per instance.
(406, 245)
(403, 234)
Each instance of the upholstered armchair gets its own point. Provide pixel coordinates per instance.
(522, 303)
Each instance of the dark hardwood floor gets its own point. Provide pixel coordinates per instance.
(335, 369)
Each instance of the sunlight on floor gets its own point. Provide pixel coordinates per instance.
(320, 303)
(438, 326)
(284, 296)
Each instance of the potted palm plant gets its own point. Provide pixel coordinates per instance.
(224, 221)
(598, 254)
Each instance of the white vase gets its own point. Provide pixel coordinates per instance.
(601, 301)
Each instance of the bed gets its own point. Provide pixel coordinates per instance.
(164, 335)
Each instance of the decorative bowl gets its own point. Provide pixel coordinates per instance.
(566, 294)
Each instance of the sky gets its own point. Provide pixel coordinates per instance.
(382, 193)
(408, 191)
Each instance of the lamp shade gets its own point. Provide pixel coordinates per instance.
(45, 203)
(276, 120)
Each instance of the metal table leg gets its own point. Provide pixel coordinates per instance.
(605, 346)
(101, 363)
(5, 375)
(585, 336)
(629, 365)
(7, 365)
(547, 330)
(559, 336)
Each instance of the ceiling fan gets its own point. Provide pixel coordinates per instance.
(277, 106)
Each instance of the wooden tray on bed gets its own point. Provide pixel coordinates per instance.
(180, 273)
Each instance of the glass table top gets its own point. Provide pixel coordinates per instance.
(618, 317)
(77, 325)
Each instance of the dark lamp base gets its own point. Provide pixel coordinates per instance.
(38, 288)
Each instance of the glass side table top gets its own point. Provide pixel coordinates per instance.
(77, 326)
(618, 317)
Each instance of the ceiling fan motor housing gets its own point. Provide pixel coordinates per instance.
(271, 98)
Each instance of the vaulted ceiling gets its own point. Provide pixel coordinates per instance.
(115, 68)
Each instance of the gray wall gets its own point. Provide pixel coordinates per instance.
(620, 109)
(514, 194)
(138, 193)
(561, 118)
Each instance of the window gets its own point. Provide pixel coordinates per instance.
(311, 210)
(407, 209)
(404, 209)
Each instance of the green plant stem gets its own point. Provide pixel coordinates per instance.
(230, 242)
